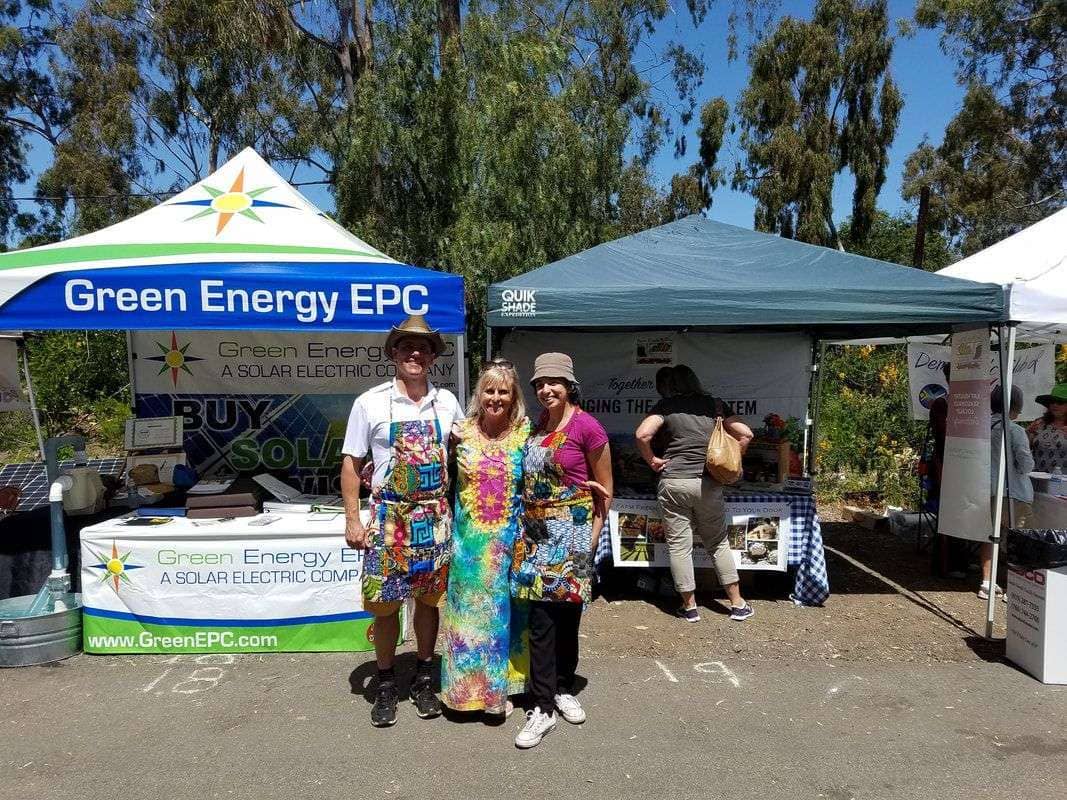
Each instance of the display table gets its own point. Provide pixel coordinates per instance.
(1048, 511)
(799, 544)
(210, 586)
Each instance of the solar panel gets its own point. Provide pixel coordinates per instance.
(32, 482)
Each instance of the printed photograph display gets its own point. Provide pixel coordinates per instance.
(758, 534)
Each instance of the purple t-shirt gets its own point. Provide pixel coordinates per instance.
(584, 436)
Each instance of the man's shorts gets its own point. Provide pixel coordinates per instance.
(389, 607)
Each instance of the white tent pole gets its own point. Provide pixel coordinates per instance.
(33, 402)
(461, 368)
(1007, 363)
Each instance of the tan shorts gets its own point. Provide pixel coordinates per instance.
(390, 607)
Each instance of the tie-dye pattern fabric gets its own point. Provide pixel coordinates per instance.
(411, 521)
(476, 625)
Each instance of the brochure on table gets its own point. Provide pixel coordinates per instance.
(211, 586)
(759, 535)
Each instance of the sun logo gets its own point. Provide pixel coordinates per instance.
(235, 201)
(174, 358)
(114, 568)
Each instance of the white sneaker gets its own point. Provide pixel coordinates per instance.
(570, 708)
(538, 726)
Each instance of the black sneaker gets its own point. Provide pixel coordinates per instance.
(426, 703)
(383, 712)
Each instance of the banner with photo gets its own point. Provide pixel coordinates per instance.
(265, 401)
(1034, 373)
(759, 534)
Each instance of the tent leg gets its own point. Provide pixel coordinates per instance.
(33, 403)
(488, 344)
(815, 405)
(1007, 361)
(461, 367)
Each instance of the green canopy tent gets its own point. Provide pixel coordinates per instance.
(698, 276)
(698, 273)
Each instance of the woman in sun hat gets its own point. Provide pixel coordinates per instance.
(567, 458)
(1048, 435)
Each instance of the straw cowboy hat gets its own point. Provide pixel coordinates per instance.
(415, 325)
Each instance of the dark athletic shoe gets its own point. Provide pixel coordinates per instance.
(688, 614)
(741, 614)
(383, 712)
(426, 703)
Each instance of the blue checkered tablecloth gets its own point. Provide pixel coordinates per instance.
(806, 554)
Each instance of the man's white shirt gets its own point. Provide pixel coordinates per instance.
(368, 422)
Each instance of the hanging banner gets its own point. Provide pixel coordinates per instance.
(759, 535)
(171, 588)
(274, 402)
(964, 511)
(11, 397)
(757, 374)
(1034, 373)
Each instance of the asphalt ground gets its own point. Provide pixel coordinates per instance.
(282, 726)
(888, 691)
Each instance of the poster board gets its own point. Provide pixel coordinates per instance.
(638, 538)
(257, 401)
(1034, 372)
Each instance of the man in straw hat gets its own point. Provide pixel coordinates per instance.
(404, 425)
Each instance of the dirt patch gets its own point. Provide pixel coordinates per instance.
(899, 614)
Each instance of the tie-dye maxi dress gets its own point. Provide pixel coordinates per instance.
(476, 627)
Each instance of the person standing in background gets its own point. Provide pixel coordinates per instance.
(1019, 491)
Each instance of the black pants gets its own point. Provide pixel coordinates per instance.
(553, 650)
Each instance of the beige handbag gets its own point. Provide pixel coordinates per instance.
(723, 459)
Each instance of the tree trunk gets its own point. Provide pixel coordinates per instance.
(919, 257)
(448, 24)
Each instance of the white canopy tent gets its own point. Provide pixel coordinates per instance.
(1032, 267)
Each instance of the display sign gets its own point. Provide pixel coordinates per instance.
(274, 402)
(759, 535)
(1034, 373)
(965, 479)
(207, 586)
(1037, 622)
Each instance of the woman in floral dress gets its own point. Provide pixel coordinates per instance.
(477, 617)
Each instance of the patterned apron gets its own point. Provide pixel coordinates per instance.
(411, 521)
(553, 558)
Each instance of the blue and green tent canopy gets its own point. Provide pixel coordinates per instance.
(698, 273)
(240, 250)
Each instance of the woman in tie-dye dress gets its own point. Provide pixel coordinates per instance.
(477, 627)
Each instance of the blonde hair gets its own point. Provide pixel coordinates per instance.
(504, 373)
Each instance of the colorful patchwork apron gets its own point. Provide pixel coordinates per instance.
(411, 522)
(553, 558)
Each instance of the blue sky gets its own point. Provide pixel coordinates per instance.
(923, 73)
